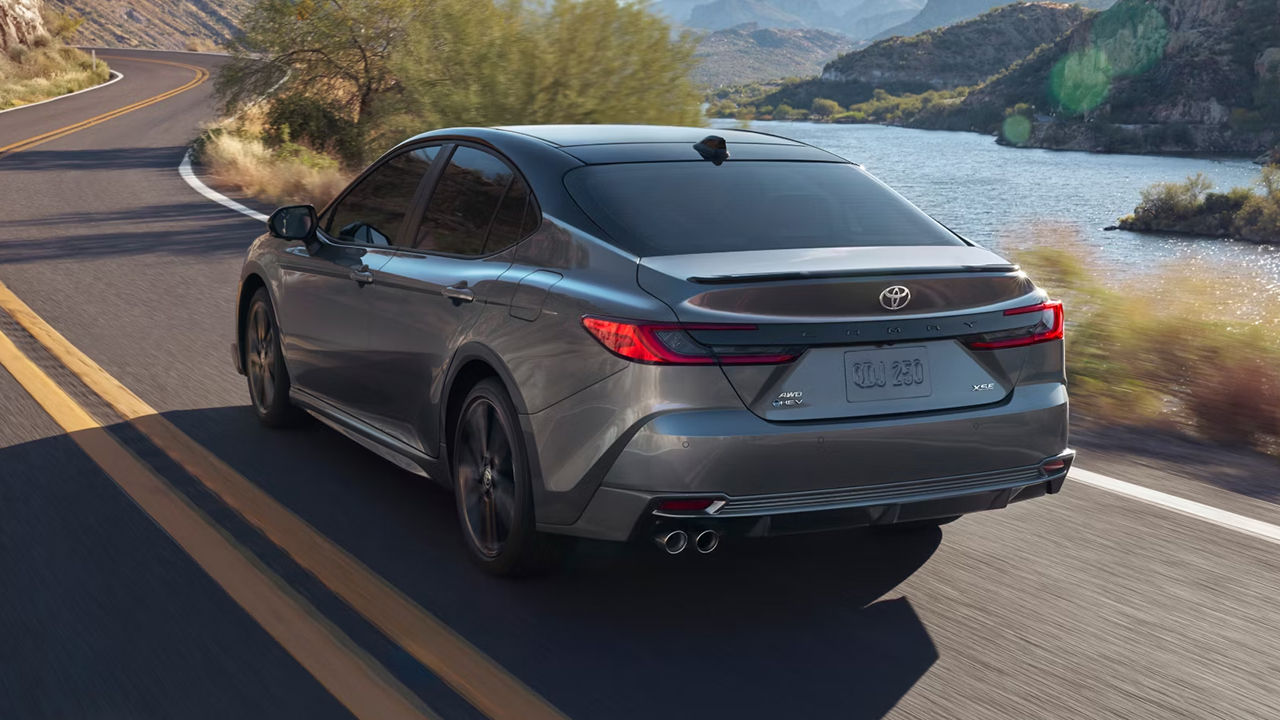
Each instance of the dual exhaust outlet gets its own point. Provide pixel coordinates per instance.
(674, 542)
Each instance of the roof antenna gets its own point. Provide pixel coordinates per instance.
(713, 148)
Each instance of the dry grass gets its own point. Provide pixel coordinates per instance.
(288, 175)
(30, 75)
(1174, 347)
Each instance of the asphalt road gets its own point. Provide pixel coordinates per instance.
(1082, 605)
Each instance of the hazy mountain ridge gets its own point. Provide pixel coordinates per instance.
(750, 53)
(940, 13)
(168, 24)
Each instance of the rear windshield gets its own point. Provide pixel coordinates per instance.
(674, 208)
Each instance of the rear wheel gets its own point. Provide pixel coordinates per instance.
(492, 487)
(264, 364)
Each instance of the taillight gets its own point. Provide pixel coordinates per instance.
(671, 344)
(1048, 328)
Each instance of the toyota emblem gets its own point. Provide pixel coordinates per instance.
(895, 297)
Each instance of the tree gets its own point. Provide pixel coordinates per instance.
(822, 107)
(576, 61)
(338, 49)
(398, 67)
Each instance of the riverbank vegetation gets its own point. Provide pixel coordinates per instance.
(47, 68)
(1172, 348)
(1191, 207)
(348, 80)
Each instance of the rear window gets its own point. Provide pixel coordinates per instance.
(674, 208)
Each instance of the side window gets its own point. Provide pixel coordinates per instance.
(373, 212)
(477, 207)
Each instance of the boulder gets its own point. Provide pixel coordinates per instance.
(20, 23)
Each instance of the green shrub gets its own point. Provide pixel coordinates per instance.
(313, 122)
(1121, 364)
(822, 107)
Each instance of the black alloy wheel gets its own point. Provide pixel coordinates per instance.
(264, 364)
(491, 482)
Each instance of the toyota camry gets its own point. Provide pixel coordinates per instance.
(637, 332)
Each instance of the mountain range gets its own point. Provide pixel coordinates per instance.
(750, 53)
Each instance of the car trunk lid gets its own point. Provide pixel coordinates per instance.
(878, 329)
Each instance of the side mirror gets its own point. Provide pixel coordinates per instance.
(295, 222)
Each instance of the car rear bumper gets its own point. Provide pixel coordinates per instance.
(796, 475)
(616, 514)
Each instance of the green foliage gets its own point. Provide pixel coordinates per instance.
(62, 25)
(824, 108)
(1259, 217)
(1189, 207)
(30, 75)
(1121, 365)
(398, 67)
(313, 122)
(1175, 201)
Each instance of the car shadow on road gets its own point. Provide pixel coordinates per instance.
(788, 627)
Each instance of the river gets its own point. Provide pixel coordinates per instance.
(992, 194)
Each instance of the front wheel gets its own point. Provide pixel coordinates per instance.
(264, 364)
(493, 489)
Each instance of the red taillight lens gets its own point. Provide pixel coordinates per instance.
(685, 504)
(1049, 328)
(670, 344)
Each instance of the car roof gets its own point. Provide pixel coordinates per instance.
(605, 144)
(578, 135)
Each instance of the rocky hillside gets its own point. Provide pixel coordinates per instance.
(20, 23)
(1144, 76)
(960, 55)
(172, 24)
(940, 13)
(750, 53)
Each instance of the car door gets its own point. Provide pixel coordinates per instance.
(432, 291)
(324, 295)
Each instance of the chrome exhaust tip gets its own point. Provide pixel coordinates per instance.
(707, 541)
(673, 541)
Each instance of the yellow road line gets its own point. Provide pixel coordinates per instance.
(201, 76)
(357, 681)
(472, 674)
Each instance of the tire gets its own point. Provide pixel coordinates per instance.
(264, 365)
(492, 488)
(912, 526)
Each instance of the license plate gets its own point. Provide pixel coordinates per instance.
(887, 374)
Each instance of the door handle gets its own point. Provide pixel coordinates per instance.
(362, 275)
(458, 292)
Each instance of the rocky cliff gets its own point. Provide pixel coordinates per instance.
(172, 24)
(20, 23)
(962, 54)
(1143, 76)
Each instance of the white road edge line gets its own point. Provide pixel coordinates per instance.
(189, 174)
(1208, 513)
(118, 75)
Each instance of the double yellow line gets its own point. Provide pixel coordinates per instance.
(354, 678)
(200, 77)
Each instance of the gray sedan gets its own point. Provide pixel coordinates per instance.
(621, 332)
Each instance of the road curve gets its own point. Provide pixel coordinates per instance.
(1083, 605)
